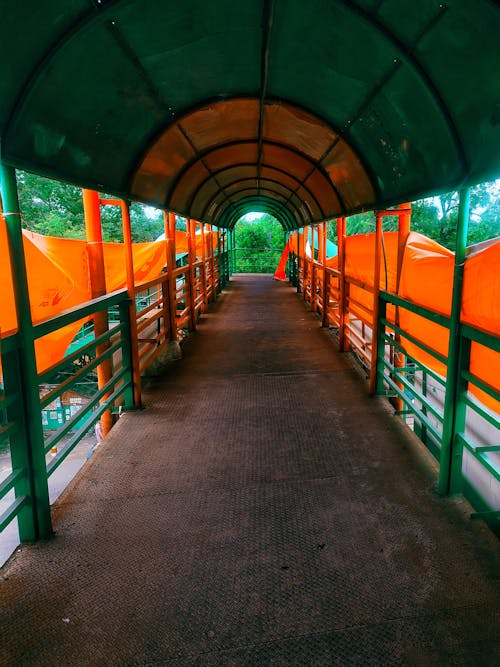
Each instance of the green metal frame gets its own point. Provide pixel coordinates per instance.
(20, 403)
(396, 381)
(12, 402)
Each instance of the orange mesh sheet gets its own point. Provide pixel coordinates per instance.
(427, 280)
(280, 274)
(58, 279)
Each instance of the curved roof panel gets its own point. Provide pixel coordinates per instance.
(311, 109)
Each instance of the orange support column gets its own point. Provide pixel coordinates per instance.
(314, 236)
(300, 259)
(191, 292)
(129, 265)
(343, 286)
(404, 220)
(211, 263)
(169, 228)
(376, 293)
(203, 267)
(326, 276)
(93, 228)
(305, 265)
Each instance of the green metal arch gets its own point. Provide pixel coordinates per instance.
(283, 202)
(261, 204)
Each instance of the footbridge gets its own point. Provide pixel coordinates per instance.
(298, 471)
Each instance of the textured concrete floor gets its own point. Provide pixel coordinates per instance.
(262, 510)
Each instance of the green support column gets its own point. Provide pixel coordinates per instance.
(450, 464)
(219, 262)
(229, 236)
(234, 251)
(33, 455)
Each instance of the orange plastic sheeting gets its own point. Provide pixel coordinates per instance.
(360, 259)
(280, 274)
(58, 279)
(480, 302)
(427, 280)
(149, 259)
(481, 309)
(8, 319)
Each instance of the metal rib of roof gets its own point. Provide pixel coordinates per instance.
(308, 110)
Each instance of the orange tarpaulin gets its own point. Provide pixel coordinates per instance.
(280, 274)
(58, 279)
(427, 280)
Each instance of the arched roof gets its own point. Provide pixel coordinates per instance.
(307, 110)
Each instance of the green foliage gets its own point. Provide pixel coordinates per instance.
(54, 208)
(260, 233)
(259, 243)
(437, 217)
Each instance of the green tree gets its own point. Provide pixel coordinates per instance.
(259, 243)
(260, 233)
(437, 217)
(55, 208)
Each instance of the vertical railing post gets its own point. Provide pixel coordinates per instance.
(314, 271)
(300, 260)
(213, 282)
(326, 276)
(305, 270)
(379, 367)
(169, 229)
(27, 452)
(126, 313)
(404, 220)
(191, 241)
(203, 267)
(233, 250)
(132, 320)
(376, 302)
(218, 265)
(450, 462)
(93, 228)
(343, 286)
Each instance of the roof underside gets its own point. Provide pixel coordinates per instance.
(307, 110)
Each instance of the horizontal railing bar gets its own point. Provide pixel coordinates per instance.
(415, 341)
(61, 432)
(482, 458)
(156, 304)
(437, 318)
(10, 481)
(8, 429)
(154, 282)
(488, 448)
(81, 372)
(482, 410)
(482, 337)
(12, 511)
(480, 384)
(418, 366)
(423, 399)
(88, 347)
(416, 411)
(79, 312)
(75, 439)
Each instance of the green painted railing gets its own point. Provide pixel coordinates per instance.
(15, 413)
(253, 260)
(422, 392)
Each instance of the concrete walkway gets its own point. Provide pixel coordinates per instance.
(262, 510)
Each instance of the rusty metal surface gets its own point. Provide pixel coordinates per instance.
(262, 510)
